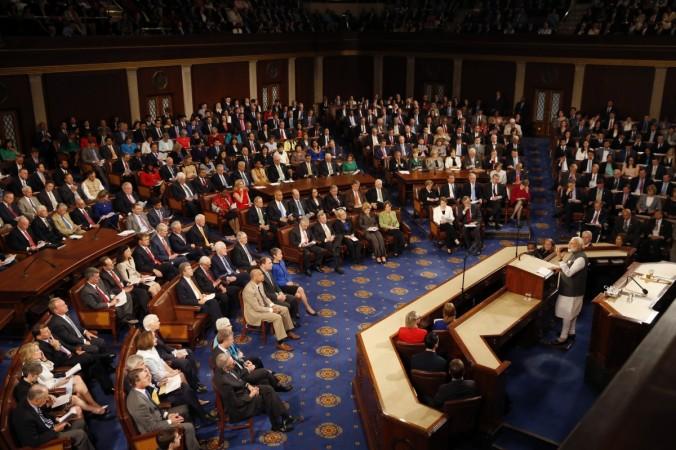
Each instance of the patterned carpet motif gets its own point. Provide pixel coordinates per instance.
(322, 366)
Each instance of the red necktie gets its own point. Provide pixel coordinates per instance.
(206, 272)
(117, 280)
(89, 219)
(27, 235)
(11, 211)
(151, 255)
(102, 295)
(468, 216)
(166, 247)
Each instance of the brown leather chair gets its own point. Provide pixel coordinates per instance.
(406, 351)
(427, 384)
(251, 230)
(405, 229)
(178, 323)
(92, 319)
(462, 415)
(211, 217)
(420, 211)
(224, 422)
(291, 253)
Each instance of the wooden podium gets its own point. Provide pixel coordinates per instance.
(523, 277)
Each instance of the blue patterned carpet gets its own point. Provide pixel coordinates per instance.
(545, 386)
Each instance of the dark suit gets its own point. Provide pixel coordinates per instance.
(273, 173)
(240, 259)
(186, 296)
(302, 170)
(194, 236)
(324, 169)
(631, 230)
(272, 289)
(36, 183)
(44, 230)
(494, 207)
(202, 185)
(92, 298)
(114, 283)
(455, 390)
(228, 300)
(17, 241)
(428, 361)
(80, 219)
(145, 263)
(372, 196)
(31, 431)
(179, 193)
(92, 369)
(71, 335)
(331, 203)
(318, 234)
(472, 235)
(478, 191)
(123, 204)
(310, 252)
(45, 200)
(220, 184)
(154, 216)
(168, 173)
(10, 213)
(653, 248)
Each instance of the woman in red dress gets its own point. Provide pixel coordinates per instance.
(150, 177)
(224, 205)
(520, 199)
(240, 194)
(411, 334)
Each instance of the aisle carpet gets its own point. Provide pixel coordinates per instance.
(545, 386)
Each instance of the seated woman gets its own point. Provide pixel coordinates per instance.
(281, 276)
(189, 168)
(350, 165)
(630, 169)
(126, 267)
(500, 172)
(519, 199)
(416, 162)
(649, 202)
(429, 195)
(411, 333)
(369, 225)
(224, 205)
(443, 216)
(316, 153)
(548, 248)
(259, 175)
(146, 342)
(387, 219)
(150, 178)
(240, 193)
(81, 396)
(452, 161)
(447, 318)
(103, 213)
(434, 161)
(342, 227)
(314, 203)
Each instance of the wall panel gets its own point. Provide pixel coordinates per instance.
(213, 82)
(274, 71)
(305, 80)
(86, 95)
(394, 76)
(348, 75)
(15, 95)
(437, 71)
(669, 98)
(481, 79)
(629, 87)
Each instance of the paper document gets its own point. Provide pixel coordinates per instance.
(171, 385)
(544, 272)
(404, 172)
(70, 414)
(75, 236)
(73, 370)
(210, 296)
(126, 233)
(60, 401)
(121, 299)
(353, 238)
(9, 259)
(147, 278)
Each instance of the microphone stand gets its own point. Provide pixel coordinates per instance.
(518, 235)
(462, 288)
(96, 233)
(37, 258)
(644, 290)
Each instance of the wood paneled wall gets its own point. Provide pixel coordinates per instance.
(274, 71)
(428, 70)
(558, 77)
(669, 99)
(15, 95)
(305, 80)
(629, 87)
(213, 82)
(86, 95)
(480, 79)
(348, 75)
(394, 76)
(161, 81)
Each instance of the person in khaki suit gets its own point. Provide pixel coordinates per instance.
(258, 308)
(63, 223)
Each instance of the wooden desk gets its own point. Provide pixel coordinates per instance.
(407, 180)
(620, 324)
(305, 185)
(387, 403)
(41, 276)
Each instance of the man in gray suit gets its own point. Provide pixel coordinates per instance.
(137, 220)
(96, 295)
(147, 415)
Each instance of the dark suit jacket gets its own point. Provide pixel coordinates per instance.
(65, 333)
(35, 182)
(166, 174)
(179, 245)
(123, 204)
(331, 203)
(28, 428)
(502, 191)
(218, 184)
(455, 390)
(479, 191)
(6, 215)
(202, 186)
(252, 216)
(44, 199)
(154, 219)
(45, 232)
(342, 229)
(67, 195)
(142, 260)
(302, 170)
(274, 214)
(219, 269)
(324, 170)
(398, 166)
(202, 281)
(372, 195)
(110, 283)
(235, 395)
(195, 237)
(239, 258)
(16, 241)
(185, 294)
(273, 175)
(429, 362)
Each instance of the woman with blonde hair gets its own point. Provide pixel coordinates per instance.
(81, 396)
(448, 317)
(411, 333)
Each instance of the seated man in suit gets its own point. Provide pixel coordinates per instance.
(220, 179)
(147, 262)
(63, 223)
(277, 212)
(243, 258)
(313, 255)
(258, 308)
(629, 227)
(201, 235)
(9, 212)
(179, 243)
(32, 428)
(275, 294)
(259, 216)
(73, 336)
(43, 229)
(596, 220)
(226, 293)
(354, 198)
(328, 167)
(278, 172)
(161, 248)
(496, 195)
(20, 238)
(658, 236)
(332, 201)
(28, 204)
(458, 387)
(180, 190)
(158, 213)
(201, 183)
(572, 201)
(321, 233)
(307, 169)
(246, 400)
(137, 220)
(377, 196)
(115, 284)
(188, 293)
(429, 360)
(82, 215)
(126, 199)
(225, 269)
(295, 205)
(49, 196)
(96, 295)
(470, 217)
(146, 413)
